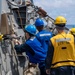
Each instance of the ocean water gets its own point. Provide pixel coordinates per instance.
(70, 26)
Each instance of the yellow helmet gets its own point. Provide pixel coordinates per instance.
(1, 37)
(60, 20)
(72, 31)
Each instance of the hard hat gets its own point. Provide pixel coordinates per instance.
(39, 22)
(60, 20)
(1, 37)
(30, 29)
(72, 31)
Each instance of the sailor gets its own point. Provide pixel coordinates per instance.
(32, 47)
(60, 58)
(72, 31)
(43, 35)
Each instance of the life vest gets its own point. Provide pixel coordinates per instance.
(40, 53)
(64, 52)
(44, 37)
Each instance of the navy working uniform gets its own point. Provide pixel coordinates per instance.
(43, 35)
(33, 48)
(61, 54)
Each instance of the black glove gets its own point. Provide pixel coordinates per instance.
(6, 36)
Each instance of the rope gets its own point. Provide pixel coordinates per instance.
(14, 52)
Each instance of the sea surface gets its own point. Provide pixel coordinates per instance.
(70, 26)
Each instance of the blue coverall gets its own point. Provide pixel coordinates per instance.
(34, 50)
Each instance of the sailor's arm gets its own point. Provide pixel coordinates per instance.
(23, 48)
(49, 57)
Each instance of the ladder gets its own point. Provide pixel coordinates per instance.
(20, 16)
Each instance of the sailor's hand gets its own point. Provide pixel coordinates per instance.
(48, 71)
(16, 42)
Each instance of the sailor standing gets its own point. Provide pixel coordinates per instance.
(43, 36)
(61, 54)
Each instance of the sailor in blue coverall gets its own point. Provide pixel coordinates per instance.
(43, 35)
(32, 47)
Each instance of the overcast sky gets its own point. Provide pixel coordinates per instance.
(55, 8)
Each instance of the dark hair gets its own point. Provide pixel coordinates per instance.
(60, 25)
(39, 28)
(29, 33)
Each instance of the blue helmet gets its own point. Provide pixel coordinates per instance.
(39, 22)
(30, 29)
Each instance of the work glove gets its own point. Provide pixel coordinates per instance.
(6, 36)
